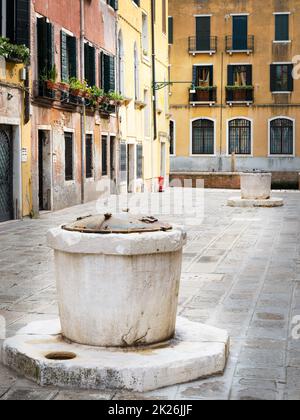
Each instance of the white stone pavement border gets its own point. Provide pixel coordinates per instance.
(242, 202)
(197, 351)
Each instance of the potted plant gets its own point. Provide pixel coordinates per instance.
(63, 86)
(76, 87)
(51, 77)
(239, 93)
(204, 93)
(97, 94)
(115, 99)
(14, 53)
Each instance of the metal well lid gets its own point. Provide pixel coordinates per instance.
(124, 223)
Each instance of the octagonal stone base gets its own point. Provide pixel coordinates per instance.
(241, 202)
(197, 351)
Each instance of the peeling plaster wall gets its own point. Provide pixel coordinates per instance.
(100, 30)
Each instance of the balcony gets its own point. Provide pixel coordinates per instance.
(203, 96)
(240, 95)
(203, 46)
(239, 45)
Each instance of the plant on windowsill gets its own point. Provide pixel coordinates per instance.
(242, 87)
(78, 88)
(115, 99)
(63, 86)
(203, 93)
(49, 78)
(14, 53)
(240, 93)
(97, 95)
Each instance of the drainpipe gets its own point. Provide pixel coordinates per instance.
(82, 117)
(153, 89)
(221, 112)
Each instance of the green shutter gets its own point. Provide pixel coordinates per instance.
(171, 30)
(64, 57)
(22, 22)
(273, 77)
(112, 74)
(290, 78)
(42, 46)
(106, 73)
(230, 72)
(72, 46)
(282, 27)
(90, 64)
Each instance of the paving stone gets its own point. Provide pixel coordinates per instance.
(241, 272)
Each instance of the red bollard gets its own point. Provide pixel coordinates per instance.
(161, 182)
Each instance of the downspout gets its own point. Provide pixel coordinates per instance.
(82, 116)
(153, 90)
(118, 76)
(221, 114)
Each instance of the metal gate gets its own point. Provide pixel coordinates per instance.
(6, 182)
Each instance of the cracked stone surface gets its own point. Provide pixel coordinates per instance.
(241, 273)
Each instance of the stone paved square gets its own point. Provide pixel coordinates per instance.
(241, 272)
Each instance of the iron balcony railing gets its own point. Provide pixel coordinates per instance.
(233, 44)
(203, 95)
(200, 45)
(242, 94)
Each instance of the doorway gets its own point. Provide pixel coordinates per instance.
(6, 174)
(131, 168)
(163, 165)
(45, 171)
(113, 164)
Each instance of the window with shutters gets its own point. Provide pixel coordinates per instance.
(171, 29)
(113, 3)
(89, 64)
(89, 156)
(123, 162)
(69, 157)
(240, 85)
(15, 21)
(139, 161)
(239, 133)
(68, 57)
(281, 136)
(203, 33)
(45, 46)
(107, 72)
(104, 141)
(281, 78)
(282, 27)
(203, 137)
(240, 33)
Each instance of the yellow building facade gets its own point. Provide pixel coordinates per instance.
(15, 142)
(235, 97)
(144, 123)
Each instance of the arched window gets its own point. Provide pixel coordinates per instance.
(282, 136)
(240, 136)
(136, 74)
(203, 137)
(120, 64)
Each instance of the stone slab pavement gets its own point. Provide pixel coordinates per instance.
(241, 272)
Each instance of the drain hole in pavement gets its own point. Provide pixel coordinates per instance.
(61, 356)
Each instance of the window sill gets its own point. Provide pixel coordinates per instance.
(282, 42)
(282, 156)
(210, 52)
